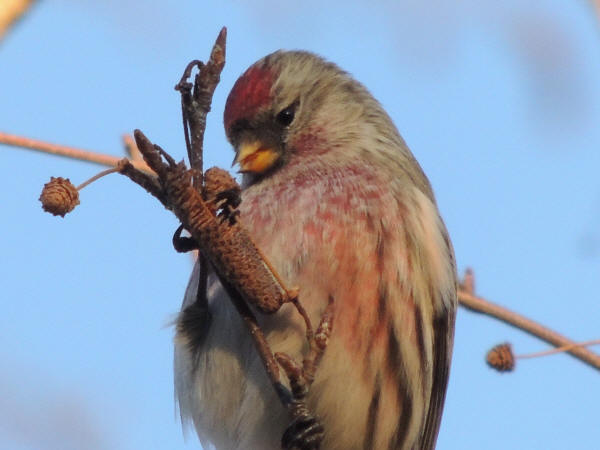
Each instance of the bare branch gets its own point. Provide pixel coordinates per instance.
(11, 11)
(564, 348)
(480, 305)
(68, 152)
(196, 100)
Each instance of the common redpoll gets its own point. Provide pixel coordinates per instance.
(338, 204)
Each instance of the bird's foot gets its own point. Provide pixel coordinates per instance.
(223, 193)
(305, 432)
(227, 202)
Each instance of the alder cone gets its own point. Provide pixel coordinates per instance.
(253, 278)
(501, 358)
(59, 196)
(336, 201)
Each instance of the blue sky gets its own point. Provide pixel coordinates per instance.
(499, 101)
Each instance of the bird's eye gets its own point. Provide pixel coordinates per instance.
(286, 115)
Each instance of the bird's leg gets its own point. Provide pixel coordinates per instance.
(305, 432)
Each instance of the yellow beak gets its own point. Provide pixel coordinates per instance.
(253, 157)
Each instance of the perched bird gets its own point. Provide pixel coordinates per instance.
(338, 204)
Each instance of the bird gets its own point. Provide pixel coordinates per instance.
(338, 204)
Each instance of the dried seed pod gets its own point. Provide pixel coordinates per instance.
(217, 180)
(501, 358)
(221, 192)
(59, 196)
(231, 251)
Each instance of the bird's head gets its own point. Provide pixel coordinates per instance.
(294, 109)
(291, 105)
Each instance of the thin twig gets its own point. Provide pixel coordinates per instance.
(133, 153)
(99, 175)
(564, 348)
(10, 12)
(68, 152)
(196, 104)
(148, 182)
(260, 343)
(483, 306)
(185, 89)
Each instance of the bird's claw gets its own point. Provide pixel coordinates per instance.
(229, 215)
(231, 197)
(305, 432)
(227, 202)
(222, 193)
